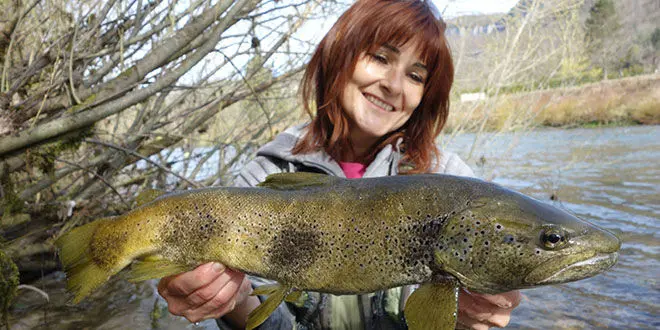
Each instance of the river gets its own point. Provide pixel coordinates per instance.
(609, 176)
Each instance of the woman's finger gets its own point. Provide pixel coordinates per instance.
(479, 311)
(204, 294)
(509, 299)
(188, 282)
(223, 302)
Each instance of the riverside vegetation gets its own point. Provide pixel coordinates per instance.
(626, 101)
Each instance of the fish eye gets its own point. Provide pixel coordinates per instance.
(553, 238)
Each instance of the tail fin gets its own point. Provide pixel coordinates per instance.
(83, 275)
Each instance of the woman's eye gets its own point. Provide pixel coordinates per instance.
(380, 58)
(417, 77)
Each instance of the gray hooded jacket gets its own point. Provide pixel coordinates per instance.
(380, 310)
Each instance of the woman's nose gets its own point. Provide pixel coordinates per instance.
(392, 82)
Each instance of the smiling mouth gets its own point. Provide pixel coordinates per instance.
(379, 103)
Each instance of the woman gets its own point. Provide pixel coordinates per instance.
(382, 77)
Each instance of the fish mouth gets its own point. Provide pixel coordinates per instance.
(554, 272)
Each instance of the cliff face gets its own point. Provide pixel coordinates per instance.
(638, 17)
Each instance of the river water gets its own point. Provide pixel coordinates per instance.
(609, 176)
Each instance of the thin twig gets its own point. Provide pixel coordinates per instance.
(73, 44)
(97, 176)
(133, 153)
(50, 85)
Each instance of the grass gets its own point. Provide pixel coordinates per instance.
(627, 101)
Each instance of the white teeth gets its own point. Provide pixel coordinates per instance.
(379, 103)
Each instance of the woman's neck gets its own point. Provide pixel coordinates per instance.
(362, 146)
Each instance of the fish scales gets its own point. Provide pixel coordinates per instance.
(313, 232)
(362, 240)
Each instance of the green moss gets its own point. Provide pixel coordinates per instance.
(10, 202)
(44, 157)
(8, 286)
(127, 73)
(88, 101)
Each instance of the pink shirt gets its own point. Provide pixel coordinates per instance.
(353, 170)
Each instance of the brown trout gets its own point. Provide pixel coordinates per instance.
(313, 232)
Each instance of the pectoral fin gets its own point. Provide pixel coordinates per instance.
(295, 297)
(260, 314)
(432, 307)
(154, 266)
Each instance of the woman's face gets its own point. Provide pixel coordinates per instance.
(383, 92)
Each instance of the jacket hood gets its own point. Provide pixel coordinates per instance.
(385, 163)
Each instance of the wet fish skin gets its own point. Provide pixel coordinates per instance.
(319, 233)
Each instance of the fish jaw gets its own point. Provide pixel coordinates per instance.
(569, 268)
(575, 271)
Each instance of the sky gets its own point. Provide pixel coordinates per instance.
(449, 8)
(314, 30)
(453, 8)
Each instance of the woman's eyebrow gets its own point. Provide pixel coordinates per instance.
(392, 48)
(397, 51)
(421, 66)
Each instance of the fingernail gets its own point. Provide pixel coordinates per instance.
(218, 267)
(505, 305)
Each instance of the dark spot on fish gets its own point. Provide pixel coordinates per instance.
(294, 250)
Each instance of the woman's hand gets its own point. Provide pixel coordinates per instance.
(209, 291)
(482, 311)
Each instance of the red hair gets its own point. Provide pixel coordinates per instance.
(366, 26)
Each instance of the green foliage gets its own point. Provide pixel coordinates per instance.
(602, 22)
(601, 27)
(631, 64)
(655, 39)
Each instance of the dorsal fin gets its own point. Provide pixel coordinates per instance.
(147, 196)
(297, 180)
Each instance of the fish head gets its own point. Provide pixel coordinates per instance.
(505, 241)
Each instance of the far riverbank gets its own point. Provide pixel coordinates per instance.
(626, 101)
